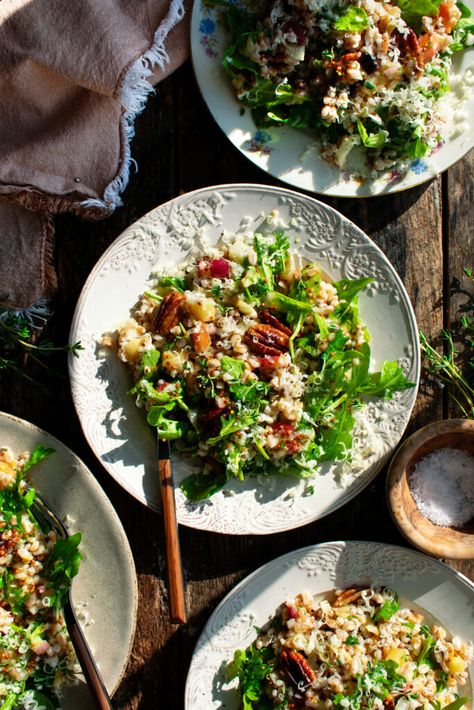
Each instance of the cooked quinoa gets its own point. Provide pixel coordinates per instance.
(361, 74)
(252, 360)
(36, 656)
(357, 648)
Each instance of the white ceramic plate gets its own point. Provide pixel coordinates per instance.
(105, 590)
(116, 429)
(435, 588)
(279, 151)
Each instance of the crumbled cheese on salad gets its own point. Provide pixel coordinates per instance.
(368, 77)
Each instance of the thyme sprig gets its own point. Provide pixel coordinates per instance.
(20, 345)
(443, 366)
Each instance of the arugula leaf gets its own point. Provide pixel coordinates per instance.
(427, 646)
(354, 19)
(249, 393)
(371, 140)
(43, 701)
(39, 453)
(456, 704)
(180, 283)
(384, 383)
(462, 33)
(336, 442)
(199, 486)
(414, 10)
(235, 368)
(62, 565)
(10, 701)
(417, 148)
(348, 289)
(287, 304)
(149, 361)
(265, 94)
(233, 423)
(252, 666)
(351, 641)
(387, 610)
(166, 428)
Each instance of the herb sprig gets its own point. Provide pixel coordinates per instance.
(20, 346)
(444, 366)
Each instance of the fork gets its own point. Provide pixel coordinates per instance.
(48, 518)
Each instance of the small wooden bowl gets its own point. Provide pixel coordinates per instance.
(453, 543)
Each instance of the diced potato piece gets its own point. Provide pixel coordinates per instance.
(245, 308)
(204, 309)
(131, 349)
(398, 655)
(457, 664)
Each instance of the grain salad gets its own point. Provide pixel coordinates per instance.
(36, 655)
(253, 361)
(371, 79)
(356, 648)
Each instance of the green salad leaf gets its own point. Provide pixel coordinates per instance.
(62, 565)
(387, 610)
(251, 667)
(354, 19)
(414, 10)
(233, 367)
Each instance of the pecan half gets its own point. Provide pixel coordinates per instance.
(167, 313)
(347, 596)
(266, 316)
(297, 668)
(264, 339)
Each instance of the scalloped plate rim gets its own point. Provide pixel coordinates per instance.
(189, 197)
(306, 551)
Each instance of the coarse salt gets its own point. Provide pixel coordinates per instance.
(442, 485)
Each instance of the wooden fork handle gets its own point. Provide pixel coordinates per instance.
(91, 673)
(173, 556)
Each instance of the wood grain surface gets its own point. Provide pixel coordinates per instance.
(426, 233)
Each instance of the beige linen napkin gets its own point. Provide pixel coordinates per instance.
(73, 77)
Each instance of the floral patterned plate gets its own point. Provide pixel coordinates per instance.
(425, 582)
(117, 430)
(292, 155)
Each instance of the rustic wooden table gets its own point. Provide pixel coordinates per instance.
(426, 232)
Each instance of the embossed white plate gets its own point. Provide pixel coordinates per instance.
(117, 430)
(291, 155)
(104, 592)
(421, 580)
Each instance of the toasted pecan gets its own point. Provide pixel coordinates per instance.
(266, 316)
(264, 339)
(166, 315)
(297, 668)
